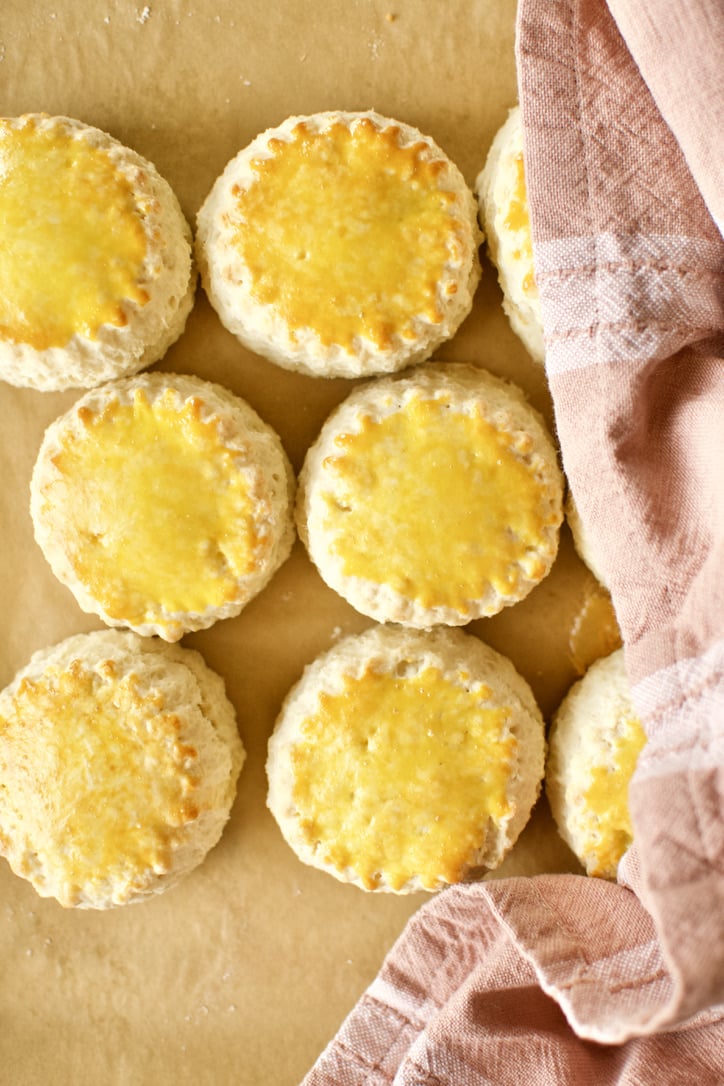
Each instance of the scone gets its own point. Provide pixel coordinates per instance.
(163, 502)
(405, 760)
(340, 245)
(595, 741)
(96, 261)
(582, 539)
(503, 201)
(432, 497)
(119, 760)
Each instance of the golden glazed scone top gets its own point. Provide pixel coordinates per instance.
(595, 742)
(370, 738)
(119, 758)
(143, 779)
(405, 760)
(517, 220)
(606, 798)
(186, 496)
(432, 498)
(503, 200)
(73, 244)
(331, 226)
(95, 263)
(164, 502)
(340, 244)
(451, 457)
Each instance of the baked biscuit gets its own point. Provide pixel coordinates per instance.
(432, 497)
(582, 539)
(163, 502)
(503, 201)
(405, 760)
(340, 245)
(119, 759)
(95, 263)
(595, 740)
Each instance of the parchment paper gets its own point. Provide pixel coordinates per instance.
(244, 972)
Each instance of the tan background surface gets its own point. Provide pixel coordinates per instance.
(244, 972)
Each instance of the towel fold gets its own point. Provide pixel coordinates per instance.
(562, 979)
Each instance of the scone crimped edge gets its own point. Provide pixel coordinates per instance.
(175, 683)
(495, 188)
(168, 276)
(226, 277)
(467, 386)
(583, 731)
(391, 649)
(239, 427)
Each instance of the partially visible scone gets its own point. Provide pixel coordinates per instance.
(406, 760)
(341, 245)
(95, 262)
(163, 502)
(594, 744)
(582, 539)
(503, 200)
(119, 760)
(432, 497)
